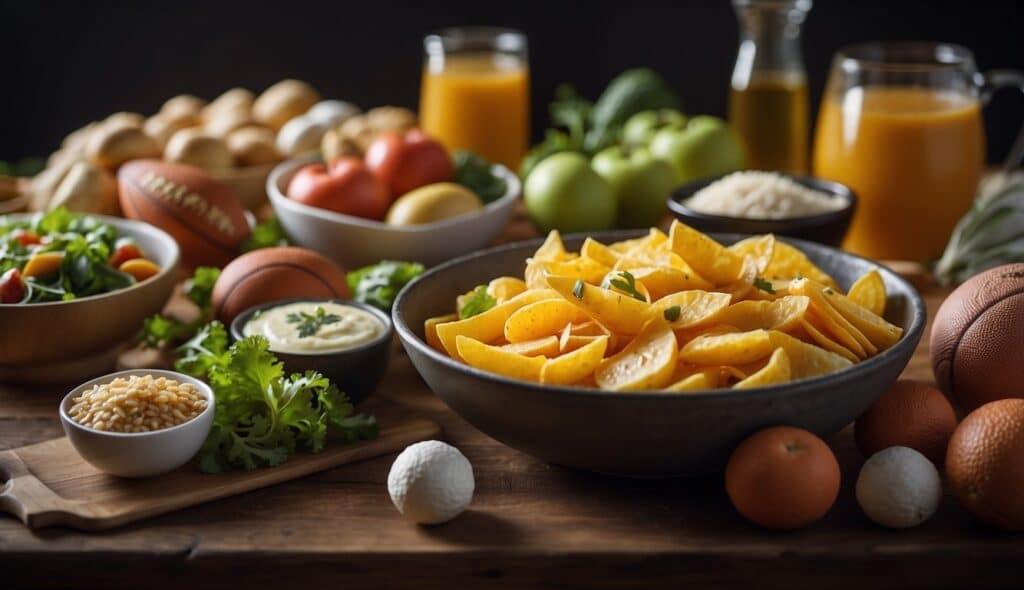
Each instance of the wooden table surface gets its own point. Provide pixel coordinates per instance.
(530, 525)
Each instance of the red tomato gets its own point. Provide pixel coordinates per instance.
(348, 187)
(12, 288)
(125, 251)
(407, 162)
(27, 237)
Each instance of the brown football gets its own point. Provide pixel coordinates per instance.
(203, 215)
(977, 341)
(273, 274)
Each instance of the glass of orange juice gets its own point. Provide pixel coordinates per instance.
(900, 123)
(475, 93)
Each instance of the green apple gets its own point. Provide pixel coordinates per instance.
(639, 181)
(563, 192)
(706, 146)
(641, 127)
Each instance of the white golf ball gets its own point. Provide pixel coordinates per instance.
(899, 487)
(431, 482)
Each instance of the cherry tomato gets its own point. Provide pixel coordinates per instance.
(27, 237)
(406, 162)
(12, 288)
(125, 251)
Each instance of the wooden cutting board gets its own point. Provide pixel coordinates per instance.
(49, 484)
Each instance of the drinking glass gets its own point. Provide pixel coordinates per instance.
(900, 123)
(475, 93)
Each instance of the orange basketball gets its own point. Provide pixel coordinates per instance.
(910, 414)
(782, 478)
(985, 463)
(273, 274)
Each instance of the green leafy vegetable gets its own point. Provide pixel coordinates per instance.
(262, 415)
(625, 283)
(268, 234)
(672, 313)
(379, 284)
(158, 330)
(310, 323)
(764, 285)
(590, 127)
(478, 302)
(474, 173)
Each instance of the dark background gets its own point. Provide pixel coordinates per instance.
(67, 63)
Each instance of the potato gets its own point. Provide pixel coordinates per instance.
(87, 188)
(571, 368)
(789, 263)
(776, 371)
(646, 363)
(689, 309)
(546, 346)
(334, 145)
(198, 148)
(621, 313)
(489, 325)
(760, 248)
(709, 258)
(183, 105)
(502, 362)
(505, 288)
(869, 292)
(782, 314)
(430, 330)
(116, 142)
(300, 135)
(433, 202)
(236, 99)
(282, 102)
(253, 146)
(540, 319)
(162, 126)
(222, 123)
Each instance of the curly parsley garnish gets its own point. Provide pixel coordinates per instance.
(310, 323)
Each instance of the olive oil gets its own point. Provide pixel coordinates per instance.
(770, 114)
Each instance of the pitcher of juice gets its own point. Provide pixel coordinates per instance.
(475, 93)
(900, 123)
(768, 90)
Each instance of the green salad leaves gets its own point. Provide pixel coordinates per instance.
(262, 415)
(378, 284)
(159, 329)
(475, 173)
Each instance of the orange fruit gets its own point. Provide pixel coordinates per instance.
(910, 414)
(782, 478)
(985, 463)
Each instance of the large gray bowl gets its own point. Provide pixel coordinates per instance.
(643, 434)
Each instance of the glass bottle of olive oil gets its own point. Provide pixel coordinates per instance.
(768, 94)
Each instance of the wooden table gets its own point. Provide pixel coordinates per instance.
(530, 525)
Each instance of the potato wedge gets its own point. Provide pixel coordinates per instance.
(620, 313)
(782, 314)
(869, 292)
(430, 330)
(571, 368)
(495, 360)
(547, 346)
(540, 319)
(709, 258)
(489, 325)
(645, 363)
(778, 370)
(695, 308)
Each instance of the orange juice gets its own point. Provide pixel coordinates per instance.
(479, 102)
(770, 114)
(914, 157)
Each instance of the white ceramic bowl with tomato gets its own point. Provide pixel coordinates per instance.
(37, 337)
(355, 241)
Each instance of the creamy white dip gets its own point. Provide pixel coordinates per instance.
(325, 327)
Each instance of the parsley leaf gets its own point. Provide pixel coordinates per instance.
(262, 415)
(158, 330)
(310, 323)
(477, 302)
(764, 285)
(672, 313)
(268, 234)
(474, 173)
(378, 284)
(625, 283)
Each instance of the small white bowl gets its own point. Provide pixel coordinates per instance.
(353, 241)
(139, 454)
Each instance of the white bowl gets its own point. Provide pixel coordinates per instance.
(353, 241)
(139, 454)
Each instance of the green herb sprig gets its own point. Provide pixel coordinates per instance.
(625, 283)
(672, 313)
(310, 323)
(478, 302)
(764, 285)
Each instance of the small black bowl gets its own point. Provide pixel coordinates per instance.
(356, 371)
(826, 228)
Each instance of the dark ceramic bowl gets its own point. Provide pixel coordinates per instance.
(356, 371)
(642, 434)
(827, 228)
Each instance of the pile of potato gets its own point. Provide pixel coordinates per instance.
(235, 131)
